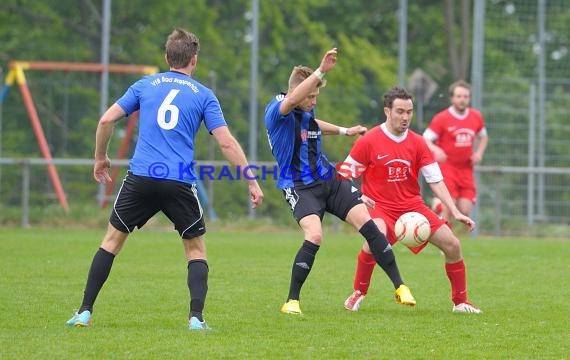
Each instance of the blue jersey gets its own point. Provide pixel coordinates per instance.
(172, 106)
(295, 141)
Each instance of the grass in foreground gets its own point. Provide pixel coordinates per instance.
(141, 313)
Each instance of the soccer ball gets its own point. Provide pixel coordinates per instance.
(412, 229)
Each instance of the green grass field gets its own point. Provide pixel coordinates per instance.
(522, 286)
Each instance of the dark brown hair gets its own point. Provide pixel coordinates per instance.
(396, 93)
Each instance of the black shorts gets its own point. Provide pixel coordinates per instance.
(333, 195)
(142, 197)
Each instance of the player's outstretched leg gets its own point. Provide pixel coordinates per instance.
(301, 268)
(98, 274)
(456, 274)
(384, 256)
(365, 264)
(198, 285)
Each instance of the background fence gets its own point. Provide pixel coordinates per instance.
(505, 201)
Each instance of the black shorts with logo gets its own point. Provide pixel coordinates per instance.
(142, 197)
(334, 195)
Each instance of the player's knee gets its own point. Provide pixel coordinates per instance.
(194, 248)
(314, 236)
(452, 248)
(113, 241)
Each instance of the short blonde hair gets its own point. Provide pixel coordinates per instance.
(299, 74)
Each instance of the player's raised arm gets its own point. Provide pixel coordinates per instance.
(300, 90)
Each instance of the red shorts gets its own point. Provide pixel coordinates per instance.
(459, 181)
(390, 218)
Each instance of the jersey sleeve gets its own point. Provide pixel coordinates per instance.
(427, 164)
(130, 102)
(480, 124)
(350, 168)
(430, 135)
(356, 161)
(481, 130)
(432, 173)
(435, 126)
(425, 156)
(213, 116)
(360, 152)
(272, 113)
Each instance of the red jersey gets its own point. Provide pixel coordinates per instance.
(456, 135)
(390, 167)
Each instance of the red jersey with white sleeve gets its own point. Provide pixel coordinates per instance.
(389, 166)
(455, 134)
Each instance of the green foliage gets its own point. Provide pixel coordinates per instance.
(142, 310)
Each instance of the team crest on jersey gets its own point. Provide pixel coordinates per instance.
(464, 137)
(397, 170)
(304, 135)
(309, 134)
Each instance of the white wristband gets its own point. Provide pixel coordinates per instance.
(319, 74)
(342, 130)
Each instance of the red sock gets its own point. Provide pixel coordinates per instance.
(456, 274)
(438, 208)
(364, 268)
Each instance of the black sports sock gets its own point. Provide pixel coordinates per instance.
(198, 285)
(98, 274)
(382, 251)
(302, 267)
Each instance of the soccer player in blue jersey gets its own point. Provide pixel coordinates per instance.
(310, 184)
(172, 107)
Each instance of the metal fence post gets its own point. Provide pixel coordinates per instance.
(25, 194)
(498, 201)
(531, 187)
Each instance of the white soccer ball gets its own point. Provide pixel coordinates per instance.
(412, 229)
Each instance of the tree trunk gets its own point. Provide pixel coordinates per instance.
(458, 55)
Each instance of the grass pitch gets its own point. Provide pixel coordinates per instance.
(521, 285)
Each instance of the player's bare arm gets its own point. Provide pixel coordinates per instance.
(481, 147)
(438, 153)
(233, 152)
(300, 93)
(332, 129)
(102, 138)
(440, 190)
(430, 138)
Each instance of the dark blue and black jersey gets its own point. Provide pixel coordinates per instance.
(295, 141)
